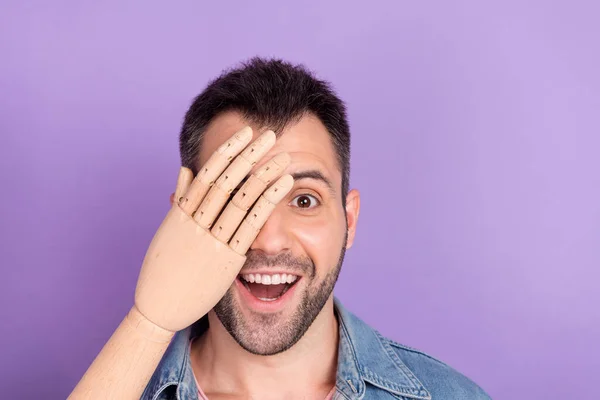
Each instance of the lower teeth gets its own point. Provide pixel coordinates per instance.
(265, 299)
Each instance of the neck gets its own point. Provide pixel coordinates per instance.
(222, 366)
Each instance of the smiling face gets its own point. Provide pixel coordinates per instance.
(293, 264)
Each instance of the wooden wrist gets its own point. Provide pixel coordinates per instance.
(146, 328)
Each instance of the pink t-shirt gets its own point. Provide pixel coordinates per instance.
(202, 396)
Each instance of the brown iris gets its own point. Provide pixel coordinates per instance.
(303, 202)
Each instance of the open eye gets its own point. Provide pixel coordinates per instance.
(305, 201)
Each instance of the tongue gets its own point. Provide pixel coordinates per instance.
(266, 291)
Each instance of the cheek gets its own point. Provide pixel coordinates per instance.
(321, 238)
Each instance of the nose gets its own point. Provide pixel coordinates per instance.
(274, 237)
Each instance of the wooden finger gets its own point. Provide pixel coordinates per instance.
(221, 158)
(237, 208)
(241, 166)
(184, 181)
(216, 198)
(248, 193)
(213, 168)
(228, 222)
(211, 207)
(256, 218)
(259, 147)
(260, 180)
(192, 198)
(274, 168)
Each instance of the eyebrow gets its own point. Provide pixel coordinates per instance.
(315, 175)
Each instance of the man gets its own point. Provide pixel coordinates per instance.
(277, 332)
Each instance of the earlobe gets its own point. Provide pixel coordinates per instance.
(352, 212)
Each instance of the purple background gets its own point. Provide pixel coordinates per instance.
(476, 148)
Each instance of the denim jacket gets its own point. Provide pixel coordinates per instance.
(369, 367)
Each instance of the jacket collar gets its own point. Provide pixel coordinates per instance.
(366, 356)
(363, 356)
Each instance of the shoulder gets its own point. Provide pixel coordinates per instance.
(368, 357)
(441, 380)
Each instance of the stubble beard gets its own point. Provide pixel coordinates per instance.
(271, 334)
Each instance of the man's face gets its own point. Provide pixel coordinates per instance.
(305, 238)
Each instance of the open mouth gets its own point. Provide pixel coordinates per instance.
(268, 287)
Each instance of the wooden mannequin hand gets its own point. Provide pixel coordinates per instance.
(191, 262)
(194, 257)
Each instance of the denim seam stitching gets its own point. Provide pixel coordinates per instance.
(413, 350)
(419, 388)
(163, 387)
(350, 345)
(186, 357)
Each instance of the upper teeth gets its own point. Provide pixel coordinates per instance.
(274, 279)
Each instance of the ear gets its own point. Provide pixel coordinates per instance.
(352, 211)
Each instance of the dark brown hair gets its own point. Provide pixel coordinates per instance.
(271, 93)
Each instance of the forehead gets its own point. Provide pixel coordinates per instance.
(308, 143)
